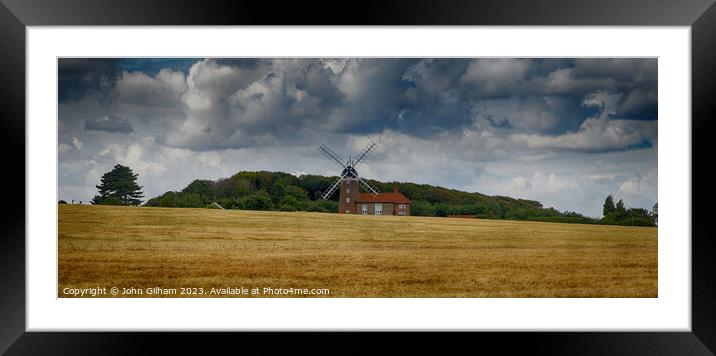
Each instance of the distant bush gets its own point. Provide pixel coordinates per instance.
(108, 200)
(289, 203)
(62, 202)
(257, 202)
(177, 200)
(320, 206)
(421, 208)
(629, 217)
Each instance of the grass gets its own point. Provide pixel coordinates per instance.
(351, 255)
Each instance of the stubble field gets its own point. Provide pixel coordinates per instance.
(350, 255)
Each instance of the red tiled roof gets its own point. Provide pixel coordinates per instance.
(392, 197)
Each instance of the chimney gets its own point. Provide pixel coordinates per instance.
(395, 188)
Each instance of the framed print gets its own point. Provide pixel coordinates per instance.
(359, 178)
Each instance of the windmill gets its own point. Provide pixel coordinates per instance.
(349, 181)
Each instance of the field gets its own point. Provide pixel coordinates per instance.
(142, 248)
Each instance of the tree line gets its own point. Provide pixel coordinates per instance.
(618, 214)
(264, 190)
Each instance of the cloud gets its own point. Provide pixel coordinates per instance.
(436, 76)
(132, 156)
(539, 184)
(621, 69)
(82, 77)
(565, 81)
(77, 143)
(640, 103)
(227, 103)
(638, 184)
(496, 76)
(63, 148)
(161, 90)
(110, 123)
(596, 134)
(532, 114)
(232, 107)
(605, 101)
(435, 100)
(551, 183)
(518, 184)
(637, 77)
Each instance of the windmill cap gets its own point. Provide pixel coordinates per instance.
(349, 172)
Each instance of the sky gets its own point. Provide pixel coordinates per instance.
(565, 132)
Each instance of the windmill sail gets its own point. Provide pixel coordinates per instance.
(364, 152)
(368, 186)
(332, 156)
(334, 186)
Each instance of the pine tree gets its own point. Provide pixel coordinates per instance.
(119, 187)
(608, 205)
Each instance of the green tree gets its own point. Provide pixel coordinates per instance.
(177, 200)
(296, 192)
(201, 187)
(278, 190)
(655, 213)
(119, 187)
(421, 208)
(110, 200)
(289, 203)
(620, 206)
(608, 205)
(243, 187)
(257, 202)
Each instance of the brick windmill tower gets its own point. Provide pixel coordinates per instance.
(350, 181)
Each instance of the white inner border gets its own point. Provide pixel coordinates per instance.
(670, 311)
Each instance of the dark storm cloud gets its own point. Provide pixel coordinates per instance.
(110, 123)
(79, 77)
(152, 66)
(636, 78)
(244, 63)
(434, 101)
(242, 102)
(624, 70)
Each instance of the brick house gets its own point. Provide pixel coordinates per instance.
(352, 201)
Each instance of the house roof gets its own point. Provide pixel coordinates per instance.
(392, 197)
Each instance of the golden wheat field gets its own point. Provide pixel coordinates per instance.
(152, 251)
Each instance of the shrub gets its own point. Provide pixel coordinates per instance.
(289, 203)
(257, 202)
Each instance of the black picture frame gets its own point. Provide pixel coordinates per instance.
(15, 15)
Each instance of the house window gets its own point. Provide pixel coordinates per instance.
(401, 213)
(364, 209)
(348, 199)
(348, 211)
(348, 190)
(378, 209)
(401, 206)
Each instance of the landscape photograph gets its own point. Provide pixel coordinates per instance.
(357, 177)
